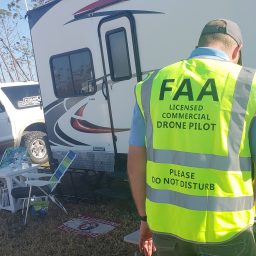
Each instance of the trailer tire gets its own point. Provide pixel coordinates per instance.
(37, 146)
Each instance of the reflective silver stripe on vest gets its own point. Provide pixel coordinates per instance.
(230, 162)
(239, 107)
(200, 203)
(196, 160)
(145, 101)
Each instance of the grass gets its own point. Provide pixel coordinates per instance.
(41, 236)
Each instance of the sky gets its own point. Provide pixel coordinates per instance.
(23, 25)
(5, 2)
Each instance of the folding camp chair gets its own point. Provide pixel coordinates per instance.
(37, 187)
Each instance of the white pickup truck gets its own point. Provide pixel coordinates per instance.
(22, 119)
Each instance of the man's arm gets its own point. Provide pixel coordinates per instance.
(137, 177)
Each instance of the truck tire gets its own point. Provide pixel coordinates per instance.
(37, 144)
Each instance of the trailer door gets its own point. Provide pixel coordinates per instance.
(117, 35)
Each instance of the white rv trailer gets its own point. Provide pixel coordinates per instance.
(90, 54)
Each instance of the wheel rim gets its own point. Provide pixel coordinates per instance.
(38, 149)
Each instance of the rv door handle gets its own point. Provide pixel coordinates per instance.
(104, 92)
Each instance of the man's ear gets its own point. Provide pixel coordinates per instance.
(236, 53)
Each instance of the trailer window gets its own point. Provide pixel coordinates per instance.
(118, 54)
(73, 74)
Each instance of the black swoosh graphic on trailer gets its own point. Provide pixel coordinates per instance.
(54, 111)
(67, 138)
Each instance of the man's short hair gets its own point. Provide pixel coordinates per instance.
(221, 30)
(226, 40)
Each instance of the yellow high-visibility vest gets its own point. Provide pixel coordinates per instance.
(199, 181)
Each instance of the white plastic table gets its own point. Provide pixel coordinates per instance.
(11, 177)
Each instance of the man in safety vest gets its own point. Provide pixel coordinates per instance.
(189, 161)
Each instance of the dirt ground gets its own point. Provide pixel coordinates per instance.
(42, 237)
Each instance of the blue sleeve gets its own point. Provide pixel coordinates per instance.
(137, 134)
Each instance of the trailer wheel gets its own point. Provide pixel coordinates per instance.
(37, 144)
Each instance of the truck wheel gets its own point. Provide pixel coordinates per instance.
(37, 144)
